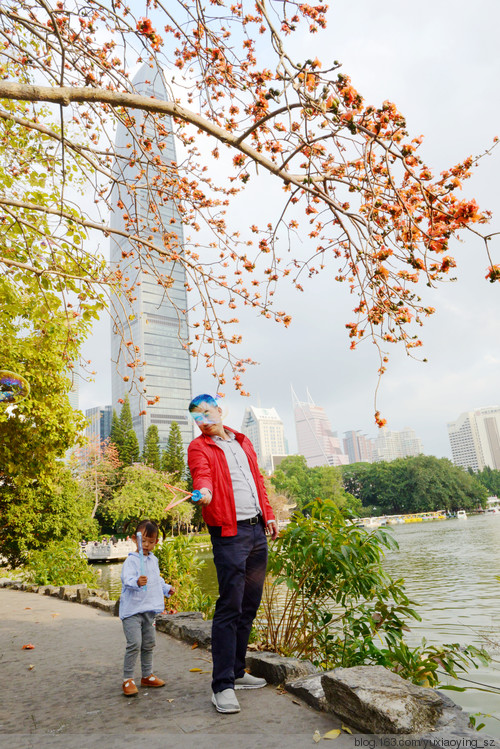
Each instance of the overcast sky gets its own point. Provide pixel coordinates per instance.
(438, 61)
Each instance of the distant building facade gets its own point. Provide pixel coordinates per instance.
(475, 438)
(99, 423)
(315, 439)
(156, 320)
(391, 445)
(358, 447)
(264, 429)
(277, 459)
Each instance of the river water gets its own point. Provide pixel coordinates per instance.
(450, 568)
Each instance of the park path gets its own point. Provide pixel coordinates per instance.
(66, 692)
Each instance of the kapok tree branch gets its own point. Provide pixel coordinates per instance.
(65, 95)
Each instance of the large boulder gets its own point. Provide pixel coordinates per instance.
(188, 626)
(375, 700)
(100, 603)
(276, 669)
(309, 689)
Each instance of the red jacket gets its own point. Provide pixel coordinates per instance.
(209, 469)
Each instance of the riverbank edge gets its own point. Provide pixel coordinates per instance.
(316, 688)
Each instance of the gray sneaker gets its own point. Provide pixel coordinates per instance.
(248, 681)
(225, 701)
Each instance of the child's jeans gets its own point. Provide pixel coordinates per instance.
(141, 636)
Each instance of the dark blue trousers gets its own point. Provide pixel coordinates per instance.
(241, 563)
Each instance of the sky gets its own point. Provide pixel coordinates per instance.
(438, 61)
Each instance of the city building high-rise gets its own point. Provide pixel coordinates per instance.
(358, 447)
(99, 424)
(391, 445)
(264, 429)
(315, 439)
(475, 438)
(156, 320)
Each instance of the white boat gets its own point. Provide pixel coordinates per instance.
(493, 505)
(461, 515)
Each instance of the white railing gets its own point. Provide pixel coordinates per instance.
(105, 550)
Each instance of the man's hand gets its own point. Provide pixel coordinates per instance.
(142, 580)
(272, 529)
(206, 496)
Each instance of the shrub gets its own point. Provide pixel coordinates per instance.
(329, 599)
(178, 562)
(59, 563)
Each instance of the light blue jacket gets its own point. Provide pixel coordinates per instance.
(136, 600)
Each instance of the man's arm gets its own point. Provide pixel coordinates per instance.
(201, 473)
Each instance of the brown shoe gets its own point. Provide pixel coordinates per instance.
(152, 681)
(129, 688)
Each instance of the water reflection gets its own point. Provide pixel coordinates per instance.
(450, 568)
(109, 577)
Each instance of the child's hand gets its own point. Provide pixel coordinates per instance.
(171, 592)
(142, 580)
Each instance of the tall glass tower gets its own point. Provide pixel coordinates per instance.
(154, 320)
(315, 439)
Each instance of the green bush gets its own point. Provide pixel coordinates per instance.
(329, 599)
(59, 563)
(179, 565)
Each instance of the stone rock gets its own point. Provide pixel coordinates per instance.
(66, 592)
(452, 717)
(100, 603)
(188, 626)
(375, 700)
(6, 582)
(99, 593)
(310, 690)
(452, 729)
(277, 670)
(82, 593)
(51, 590)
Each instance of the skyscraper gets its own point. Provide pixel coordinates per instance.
(391, 445)
(264, 429)
(475, 438)
(358, 447)
(156, 320)
(99, 423)
(315, 439)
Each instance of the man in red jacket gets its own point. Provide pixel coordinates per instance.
(236, 509)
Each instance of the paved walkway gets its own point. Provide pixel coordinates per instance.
(67, 690)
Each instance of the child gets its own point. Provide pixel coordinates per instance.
(141, 599)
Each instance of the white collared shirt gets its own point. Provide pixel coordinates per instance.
(246, 498)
